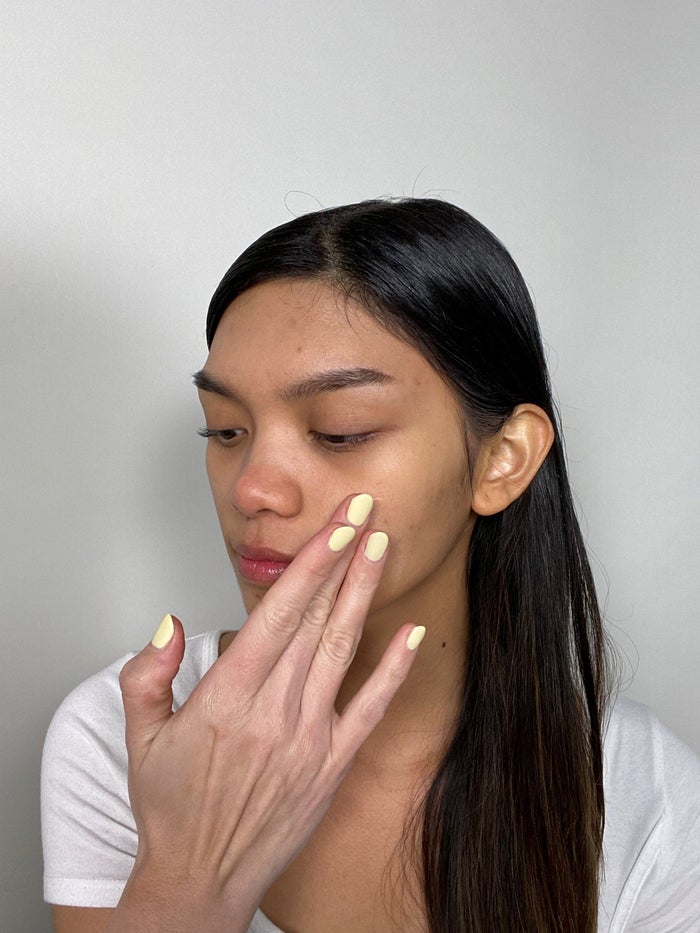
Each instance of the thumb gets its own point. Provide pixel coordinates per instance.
(146, 684)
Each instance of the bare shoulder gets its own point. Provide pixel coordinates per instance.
(80, 919)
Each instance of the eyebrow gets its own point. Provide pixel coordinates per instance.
(327, 381)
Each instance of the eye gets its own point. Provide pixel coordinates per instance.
(340, 442)
(228, 437)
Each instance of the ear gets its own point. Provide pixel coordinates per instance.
(508, 462)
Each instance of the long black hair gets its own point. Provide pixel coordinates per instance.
(512, 825)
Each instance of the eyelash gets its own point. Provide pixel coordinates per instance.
(336, 442)
(222, 436)
(346, 441)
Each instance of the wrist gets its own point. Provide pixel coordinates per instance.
(159, 902)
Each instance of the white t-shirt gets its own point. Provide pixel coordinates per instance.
(652, 790)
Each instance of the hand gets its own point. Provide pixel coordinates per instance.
(227, 790)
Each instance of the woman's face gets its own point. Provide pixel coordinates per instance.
(316, 401)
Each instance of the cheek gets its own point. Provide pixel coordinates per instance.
(215, 483)
(424, 494)
(428, 520)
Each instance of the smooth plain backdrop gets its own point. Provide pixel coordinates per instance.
(145, 144)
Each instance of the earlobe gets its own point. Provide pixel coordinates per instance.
(508, 462)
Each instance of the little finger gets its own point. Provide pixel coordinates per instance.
(367, 708)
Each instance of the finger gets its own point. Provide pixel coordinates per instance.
(146, 685)
(304, 592)
(339, 641)
(330, 631)
(370, 703)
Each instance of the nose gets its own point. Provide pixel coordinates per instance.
(266, 482)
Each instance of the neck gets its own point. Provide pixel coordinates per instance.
(420, 719)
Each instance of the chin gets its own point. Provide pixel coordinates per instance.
(251, 594)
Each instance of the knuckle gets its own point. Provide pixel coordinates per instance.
(257, 737)
(132, 678)
(319, 609)
(365, 584)
(262, 745)
(269, 728)
(216, 706)
(339, 646)
(280, 618)
(372, 708)
(374, 705)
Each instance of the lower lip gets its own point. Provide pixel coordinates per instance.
(260, 571)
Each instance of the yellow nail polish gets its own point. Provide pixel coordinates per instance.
(376, 545)
(164, 632)
(416, 637)
(341, 537)
(359, 508)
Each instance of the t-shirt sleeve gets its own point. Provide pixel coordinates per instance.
(89, 835)
(669, 900)
(88, 831)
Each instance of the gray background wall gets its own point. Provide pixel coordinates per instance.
(145, 144)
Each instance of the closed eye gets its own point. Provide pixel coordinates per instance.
(340, 442)
(226, 437)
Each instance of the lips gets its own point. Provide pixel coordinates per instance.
(261, 565)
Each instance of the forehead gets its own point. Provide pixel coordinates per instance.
(288, 327)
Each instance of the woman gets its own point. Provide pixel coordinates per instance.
(386, 464)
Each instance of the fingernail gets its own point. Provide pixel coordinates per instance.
(416, 637)
(359, 508)
(376, 545)
(164, 632)
(341, 537)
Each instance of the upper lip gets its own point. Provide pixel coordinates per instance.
(263, 553)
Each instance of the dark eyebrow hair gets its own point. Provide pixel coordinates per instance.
(326, 381)
(208, 383)
(332, 379)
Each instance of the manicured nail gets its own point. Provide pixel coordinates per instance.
(341, 537)
(164, 632)
(416, 637)
(359, 508)
(376, 545)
